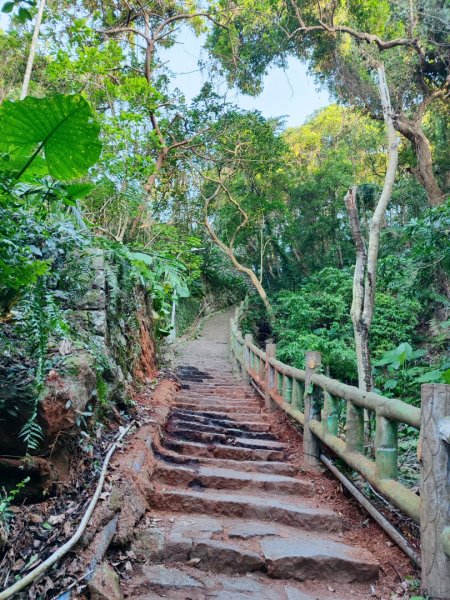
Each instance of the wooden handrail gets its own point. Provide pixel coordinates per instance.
(391, 408)
(299, 392)
(276, 381)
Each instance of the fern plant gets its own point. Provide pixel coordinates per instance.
(41, 317)
(7, 498)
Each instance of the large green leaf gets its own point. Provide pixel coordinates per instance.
(63, 128)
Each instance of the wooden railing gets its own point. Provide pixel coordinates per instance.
(315, 402)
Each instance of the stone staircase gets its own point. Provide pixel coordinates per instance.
(231, 518)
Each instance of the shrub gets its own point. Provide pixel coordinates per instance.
(317, 317)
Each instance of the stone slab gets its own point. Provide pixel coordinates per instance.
(105, 584)
(169, 577)
(221, 450)
(149, 544)
(249, 529)
(314, 558)
(223, 557)
(253, 507)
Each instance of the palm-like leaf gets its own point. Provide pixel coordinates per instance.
(63, 127)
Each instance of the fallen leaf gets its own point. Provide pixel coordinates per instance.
(33, 518)
(55, 519)
(34, 560)
(18, 565)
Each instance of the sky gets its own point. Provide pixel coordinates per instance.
(291, 93)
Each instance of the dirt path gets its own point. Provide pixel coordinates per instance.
(235, 515)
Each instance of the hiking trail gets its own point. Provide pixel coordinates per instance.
(235, 515)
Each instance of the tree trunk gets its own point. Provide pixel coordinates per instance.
(249, 272)
(360, 327)
(364, 281)
(32, 52)
(363, 357)
(412, 130)
(149, 187)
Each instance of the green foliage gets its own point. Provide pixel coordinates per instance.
(161, 273)
(222, 281)
(187, 311)
(32, 246)
(40, 258)
(164, 277)
(7, 498)
(63, 128)
(39, 318)
(395, 320)
(401, 371)
(317, 317)
(419, 270)
(23, 6)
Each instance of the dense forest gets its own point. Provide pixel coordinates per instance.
(336, 232)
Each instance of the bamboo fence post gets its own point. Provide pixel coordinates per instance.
(271, 352)
(280, 383)
(297, 395)
(435, 490)
(331, 413)
(354, 430)
(233, 349)
(287, 389)
(261, 372)
(386, 448)
(248, 338)
(311, 444)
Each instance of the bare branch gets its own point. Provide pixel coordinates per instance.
(361, 36)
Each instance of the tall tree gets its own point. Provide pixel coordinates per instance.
(365, 276)
(32, 50)
(338, 38)
(155, 25)
(238, 167)
(113, 51)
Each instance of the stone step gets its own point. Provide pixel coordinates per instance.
(210, 385)
(318, 559)
(214, 380)
(231, 386)
(261, 466)
(249, 507)
(231, 430)
(222, 557)
(207, 437)
(218, 406)
(220, 478)
(206, 408)
(153, 582)
(216, 400)
(222, 450)
(222, 420)
(217, 395)
(299, 558)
